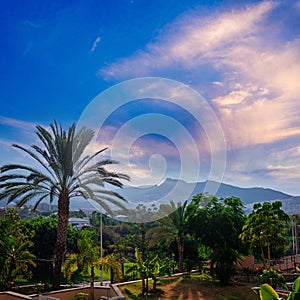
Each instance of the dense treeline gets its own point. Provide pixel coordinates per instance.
(207, 229)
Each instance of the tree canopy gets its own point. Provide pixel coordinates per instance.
(266, 228)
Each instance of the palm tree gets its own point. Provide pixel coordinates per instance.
(172, 227)
(87, 258)
(63, 172)
(111, 264)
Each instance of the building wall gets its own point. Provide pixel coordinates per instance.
(13, 296)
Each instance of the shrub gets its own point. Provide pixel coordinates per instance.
(82, 296)
(273, 278)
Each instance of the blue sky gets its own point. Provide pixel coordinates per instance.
(243, 58)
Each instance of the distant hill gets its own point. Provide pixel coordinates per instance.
(179, 190)
(247, 195)
(291, 205)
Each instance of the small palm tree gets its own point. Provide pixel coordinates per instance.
(172, 227)
(64, 172)
(88, 258)
(111, 264)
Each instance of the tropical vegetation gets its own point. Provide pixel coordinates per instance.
(265, 229)
(208, 233)
(63, 171)
(15, 250)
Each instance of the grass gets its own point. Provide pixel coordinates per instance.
(197, 286)
(78, 277)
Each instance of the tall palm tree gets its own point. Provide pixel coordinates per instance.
(63, 172)
(172, 227)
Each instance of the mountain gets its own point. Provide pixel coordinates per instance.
(166, 189)
(179, 190)
(291, 205)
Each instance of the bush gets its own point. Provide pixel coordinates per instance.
(273, 278)
(82, 296)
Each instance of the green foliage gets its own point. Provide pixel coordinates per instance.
(273, 278)
(266, 292)
(217, 223)
(64, 171)
(266, 229)
(82, 296)
(151, 267)
(295, 293)
(172, 228)
(87, 257)
(15, 254)
(44, 235)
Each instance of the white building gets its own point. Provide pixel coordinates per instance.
(79, 223)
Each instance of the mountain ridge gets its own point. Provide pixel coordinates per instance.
(247, 195)
(179, 190)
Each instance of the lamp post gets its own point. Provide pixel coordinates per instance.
(101, 244)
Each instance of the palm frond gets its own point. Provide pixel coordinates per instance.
(64, 170)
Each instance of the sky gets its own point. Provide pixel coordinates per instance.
(222, 104)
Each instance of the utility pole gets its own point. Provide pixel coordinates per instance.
(296, 237)
(101, 244)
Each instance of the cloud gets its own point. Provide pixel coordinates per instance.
(17, 131)
(190, 40)
(252, 82)
(95, 43)
(285, 164)
(217, 83)
(257, 98)
(262, 106)
(15, 123)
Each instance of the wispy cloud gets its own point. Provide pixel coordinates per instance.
(191, 40)
(254, 86)
(95, 43)
(260, 74)
(262, 106)
(15, 132)
(15, 123)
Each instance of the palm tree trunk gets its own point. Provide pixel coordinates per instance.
(154, 283)
(212, 264)
(143, 245)
(143, 283)
(262, 254)
(180, 253)
(9, 275)
(269, 257)
(123, 269)
(112, 275)
(92, 282)
(61, 241)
